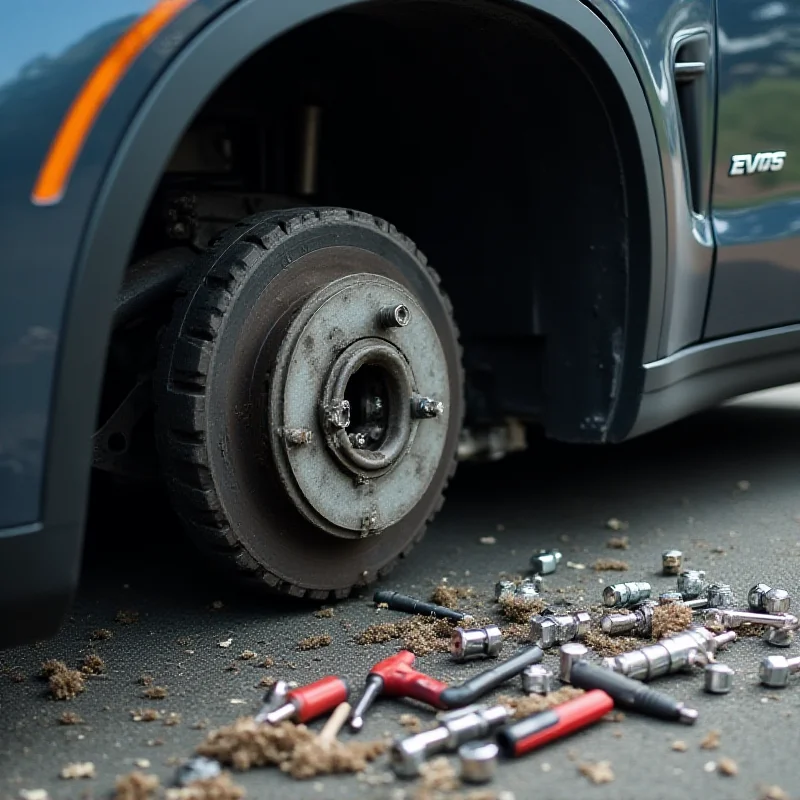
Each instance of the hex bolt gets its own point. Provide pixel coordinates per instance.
(638, 622)
(568, 655)
(626, 594)
(537, 679)
(548, 630)
(528, 588)
(779, 637)
(394, 316)
(504, 589)
(297, 436)
(774, 671)
(671, 561)
(337, 414)
(468, 643)
(545, 562)
(426, 407)
(690, 583)
(720, 595)
(755, 597)
(718, 678)
(733, 619)
(669, 597)
(773, 601)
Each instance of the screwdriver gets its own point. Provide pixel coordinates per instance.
(630, 694)
(402, 602)
(308, 702)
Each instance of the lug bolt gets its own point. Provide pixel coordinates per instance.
(720, 595)
(733, 619)
(639, 622)
(690, 583)
(671, 561)
(774, 671)
(537, 679)
(552, 629)
(718, 678)
(297, 436)
(337, 414)
(626, 594)
(394, 316)
(545, 562)
(763, 598)
(426, 407)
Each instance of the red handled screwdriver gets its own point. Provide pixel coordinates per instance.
(308, 702)
(532, 732)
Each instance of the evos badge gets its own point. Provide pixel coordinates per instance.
(748, 163)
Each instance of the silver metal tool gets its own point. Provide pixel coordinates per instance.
(619, 595)
(697, 603)
(548, 630)
(771, 601)
(720, 595)
(456, 727)
(478, 761)
(691, 583)
(718, 678)
(568, 655)
(639, 622)
(671, 654)
(779, 637)
(671, 561)
(733, 619)
(537, 679)
(669, 597)
(504, 589)
(774, 671)
(545, 562)
(468, 643)
(528, 589)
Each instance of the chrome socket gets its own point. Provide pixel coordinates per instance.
(537, 679)
(620, 595)
(469, 643)
(548, 630)
(691, 583)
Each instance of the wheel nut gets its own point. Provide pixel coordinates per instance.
(478, 761)
(779, 637)
(467, 643)
(777, 601)
(626, 594)
(671, 562)
(568, 655)
(426, 407)
(394, 316)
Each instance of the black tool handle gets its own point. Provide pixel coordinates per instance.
(628, 693)
(469, 691)
(402, 602)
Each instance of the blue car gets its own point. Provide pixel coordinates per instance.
(290, 262)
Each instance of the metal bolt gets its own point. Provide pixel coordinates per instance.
(504, 589)
(357, 440)
(639, 622)
(552, 629)
(297, 436)
(337, 414)
(690, 583)
(671, 561)
(669, 597)
(755, 597)
(720, 595)
(394, 316)
(733, 619)
(467, 643)
(626, 594)
(779, 637)
(537, 679)
(426, 407)
(478, 761)
(528, 588)
(698, 602)
(777, 601)
(568, 655)
(545, 562)
(718, 678)
(774, 671)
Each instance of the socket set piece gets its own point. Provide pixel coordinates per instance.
(569, 654)
(671, 654)
(774, 671)
(779, 637)
(455, 728)
(720, 595)
(639, 622)
(551, 629)
(722, 618)
(545, 562)
(718, 678)
(469, 643)
(537, 679)
(478, 761)
(770, 601)
(620, 595)
(671, 561)
(691, 583)
(526, 589)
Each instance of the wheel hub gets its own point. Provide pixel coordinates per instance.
(358, 405)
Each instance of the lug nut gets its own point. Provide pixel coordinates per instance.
(537, 679)
(545, 562)
(718, 678)
(626, 594)
(690, 583)
(552, 629)
(426, 407)
(568, 655)
(394, 316)
(720, 595)
(467, 643)
(733, 619)
(779, 637)
(638, 622)
(671, 561)
(772, 601)
(774, 671)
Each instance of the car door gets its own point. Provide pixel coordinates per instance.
(756, 184)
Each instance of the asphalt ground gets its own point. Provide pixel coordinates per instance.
(680, 487)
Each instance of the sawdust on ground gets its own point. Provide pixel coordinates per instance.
(671, 618)
(220, 787)
(533, 704)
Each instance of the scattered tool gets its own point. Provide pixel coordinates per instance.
(720, 595)
(718, 678)
(771, 601)
(626, 594)
(478, 761)
(631, 694)
(671, 654)
(456, 727)
(330, 730)
(691, 583)
(396, 677)
(545, 562)
(669, 597)
(537, 679)
(570, 654)
(671, 561)
(528, 588)
(548, 630)
(521, 737)
(774, 671)
(779, 637)
(402, 602)
(468, 643)
(308, 702)
(734, 619)
(275, 697)
(638, 622)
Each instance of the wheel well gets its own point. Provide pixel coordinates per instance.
(495, 138)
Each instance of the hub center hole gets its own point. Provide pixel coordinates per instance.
(369, 396)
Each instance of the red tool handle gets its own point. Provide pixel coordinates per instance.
(315, 699)
(405, 681)
(533, 732)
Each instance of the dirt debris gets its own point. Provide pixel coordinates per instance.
(520, 609)
(710, 740)
(136, 786)
(100, 634)
(773, 793)
(142, 763)
(614, 716)
(680, 746)
(93, 665)
(671, 618)
(411, 722)
(315, 642)
(293, 748)
(619, 543)
(421, 635)
(226, 642)
(155, 692)
(380, 633)
(172, 719)
(438, 775)
(323, 613)
(145, 715)
(597, 771)
(266, 682)
(247, 655)
(615, 524)
(126, 617)
(51, 667)
(449, 596)
(33, 794)
(66, 684)
(605, 645)
(70, 718)
(727, 766)
(267, 662)
(533, 704)
(145, 680)
(220, 787)
(488, 540)
(610, 565)
(80, 769)
(517, 631)
(15, 675)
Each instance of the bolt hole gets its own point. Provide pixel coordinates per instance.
(117, 442)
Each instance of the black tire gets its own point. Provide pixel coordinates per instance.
(234, 306)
